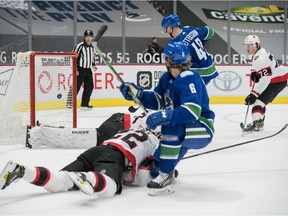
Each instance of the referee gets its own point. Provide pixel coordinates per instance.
(85, 61)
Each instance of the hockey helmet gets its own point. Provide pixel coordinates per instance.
(177, 52)
(171, 20)
(252, 39)
(88, 33)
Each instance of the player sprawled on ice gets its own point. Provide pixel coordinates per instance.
(185, 118)
(195, 39)
(270, 79)
(101, 169)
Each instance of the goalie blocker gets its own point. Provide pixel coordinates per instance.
(76, 137)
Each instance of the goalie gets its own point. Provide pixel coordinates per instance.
(101, 169)
(76, 137)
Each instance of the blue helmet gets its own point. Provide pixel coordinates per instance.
(171, 20)
(177, 52)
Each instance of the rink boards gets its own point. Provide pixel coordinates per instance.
(230, 87)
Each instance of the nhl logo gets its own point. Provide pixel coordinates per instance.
(144, 79)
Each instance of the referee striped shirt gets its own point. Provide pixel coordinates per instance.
(85, 55)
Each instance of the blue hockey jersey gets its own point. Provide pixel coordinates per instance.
(202, 61)
(187, 96)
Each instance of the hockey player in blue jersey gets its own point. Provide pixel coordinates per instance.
(185, 118)
(195, 39)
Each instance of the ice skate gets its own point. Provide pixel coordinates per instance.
(162, 184)
(81, 182)
(12, 172)
(256, 126)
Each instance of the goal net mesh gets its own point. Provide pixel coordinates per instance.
(40, 91)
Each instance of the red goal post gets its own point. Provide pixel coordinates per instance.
(42, 89)
(33, 65)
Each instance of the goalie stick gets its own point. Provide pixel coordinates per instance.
(238, 144)
(99, 34)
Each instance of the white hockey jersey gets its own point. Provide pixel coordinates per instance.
(136, 145)
(268, 68)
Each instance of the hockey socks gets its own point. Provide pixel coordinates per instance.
(103, 185)
(50, 181)
(42, 176)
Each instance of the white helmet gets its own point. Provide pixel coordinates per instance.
(252, 39)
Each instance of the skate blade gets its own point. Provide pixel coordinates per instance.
(9, 167)
(161, 192)
(244, 133)
(85, 108)
(84, 186)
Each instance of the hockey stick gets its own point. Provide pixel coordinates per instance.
(239, 144)
(243, 125)
(133, 109)
(100, 32)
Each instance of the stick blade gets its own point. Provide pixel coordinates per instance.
(133, 109)
(100, 32)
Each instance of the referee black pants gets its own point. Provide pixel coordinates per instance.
(85, 76)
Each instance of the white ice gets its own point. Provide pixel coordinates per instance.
(249, 179)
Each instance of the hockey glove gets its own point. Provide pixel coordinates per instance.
(159, 118)
(255, 77)
(251, 98)
(127, 88)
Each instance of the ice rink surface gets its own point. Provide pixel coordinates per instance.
(249, 179)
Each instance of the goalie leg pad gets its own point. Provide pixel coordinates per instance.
(68, 137)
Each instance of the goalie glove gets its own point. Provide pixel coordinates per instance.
(129, 89)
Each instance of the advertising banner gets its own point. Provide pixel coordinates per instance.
(6, 73)
(265, 19)
(231, 86)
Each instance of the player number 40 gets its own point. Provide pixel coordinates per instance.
(198, 46)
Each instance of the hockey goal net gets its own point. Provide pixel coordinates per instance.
(42, 90)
